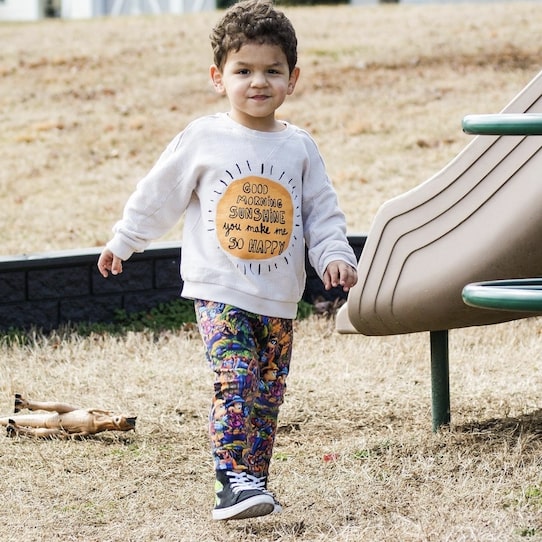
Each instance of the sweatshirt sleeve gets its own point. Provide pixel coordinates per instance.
(324, 222)
(157, 204)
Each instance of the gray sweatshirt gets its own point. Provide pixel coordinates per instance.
(252, 201)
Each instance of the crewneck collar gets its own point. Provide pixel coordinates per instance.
(260, 133)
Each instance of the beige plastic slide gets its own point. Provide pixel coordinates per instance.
(478, 219)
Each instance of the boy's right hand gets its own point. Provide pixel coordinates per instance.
(109, 263)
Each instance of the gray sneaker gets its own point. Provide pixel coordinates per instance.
(261, 483)
(238, 496)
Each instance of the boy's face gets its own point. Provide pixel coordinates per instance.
(256, 80)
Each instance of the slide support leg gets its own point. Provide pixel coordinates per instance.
(440, 379)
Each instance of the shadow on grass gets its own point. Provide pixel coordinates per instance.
(262, 530)
(510, 427)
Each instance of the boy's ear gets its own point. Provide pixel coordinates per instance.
(216, 78)
(294, 76)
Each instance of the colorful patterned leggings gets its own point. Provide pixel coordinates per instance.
(250, 356)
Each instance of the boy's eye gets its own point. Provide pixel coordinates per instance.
(246, 71)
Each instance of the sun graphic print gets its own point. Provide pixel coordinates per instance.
(256, 216)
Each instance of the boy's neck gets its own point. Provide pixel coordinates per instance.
(260, 125)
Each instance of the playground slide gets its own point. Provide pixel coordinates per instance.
(478, 219)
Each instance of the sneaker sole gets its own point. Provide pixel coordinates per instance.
(249, 508)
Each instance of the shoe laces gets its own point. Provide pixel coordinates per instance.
(258, 482)
(241, 481)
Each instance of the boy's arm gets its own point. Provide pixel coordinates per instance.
(109, 263)
(159, 200)
(324, 225)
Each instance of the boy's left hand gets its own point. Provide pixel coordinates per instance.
(339, 273)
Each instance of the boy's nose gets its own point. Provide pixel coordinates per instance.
(259, 80)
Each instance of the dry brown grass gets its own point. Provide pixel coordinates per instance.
(86, 108)
(363, 400)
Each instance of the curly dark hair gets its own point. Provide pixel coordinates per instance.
(253, 21)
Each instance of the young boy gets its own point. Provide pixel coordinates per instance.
(255, 192)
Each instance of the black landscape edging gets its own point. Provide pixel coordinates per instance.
(51, 289)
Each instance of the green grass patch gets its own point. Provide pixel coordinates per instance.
(170, 316)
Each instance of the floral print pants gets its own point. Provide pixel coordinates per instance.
(250, 356)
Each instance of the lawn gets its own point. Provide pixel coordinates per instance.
(87, 106)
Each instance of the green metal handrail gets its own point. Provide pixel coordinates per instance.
(503, 124)
(508, 295)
